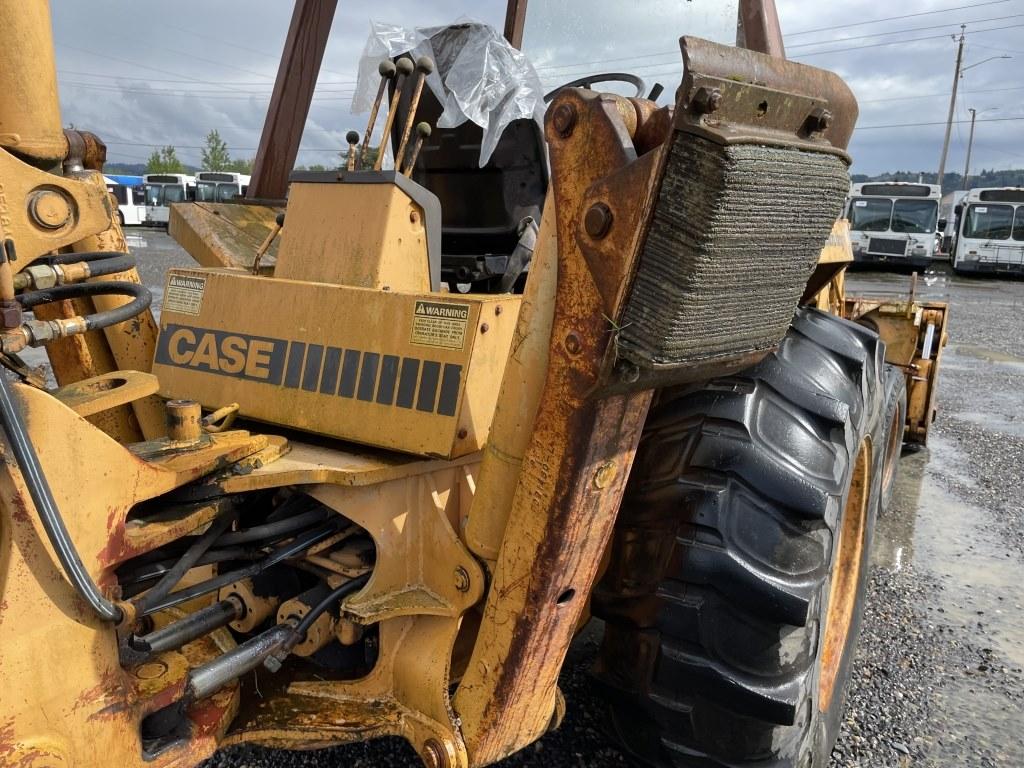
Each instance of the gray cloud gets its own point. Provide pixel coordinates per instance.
(142, 74)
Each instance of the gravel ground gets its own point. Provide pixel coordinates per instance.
(938, 678)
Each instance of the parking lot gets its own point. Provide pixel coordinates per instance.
(939, 677)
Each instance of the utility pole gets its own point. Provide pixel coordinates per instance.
(952, 104)
(970, 143)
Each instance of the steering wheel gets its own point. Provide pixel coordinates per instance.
(606, 77)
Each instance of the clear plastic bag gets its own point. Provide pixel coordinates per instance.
(478, 76)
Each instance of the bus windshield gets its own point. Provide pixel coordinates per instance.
(870, 214)
(214, 192)
(916, 216)
(988, 222)
(154, 194)
(173, 194)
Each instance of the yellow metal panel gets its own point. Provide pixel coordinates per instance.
(223, 234)
(411, 372)
(366, 235)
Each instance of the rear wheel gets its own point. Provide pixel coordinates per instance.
(895, 424)
(735, 588)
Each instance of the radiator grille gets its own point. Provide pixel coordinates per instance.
(887, 246)
(735, 235)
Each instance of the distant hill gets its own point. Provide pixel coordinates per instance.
(950, 181)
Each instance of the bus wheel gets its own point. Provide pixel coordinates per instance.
(735, 587)
(120, 218)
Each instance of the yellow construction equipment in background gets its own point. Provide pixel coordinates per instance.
(404, 500)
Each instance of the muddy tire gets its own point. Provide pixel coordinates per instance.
(733, 597)
(894, 425)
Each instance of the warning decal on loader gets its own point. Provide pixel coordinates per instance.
(440, 324)
(184, 294)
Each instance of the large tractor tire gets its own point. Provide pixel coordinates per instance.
(894, 426)
(735, 586)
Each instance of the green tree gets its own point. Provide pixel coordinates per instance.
(164, 160)
(241, 165)
(215, 155)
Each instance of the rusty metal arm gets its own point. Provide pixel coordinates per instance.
(515, 22)
(293, 93)
(758, 28)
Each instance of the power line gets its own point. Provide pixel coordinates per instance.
(933, 95)
(895, 18)
(904, 31)
(943, 122)
(234, 83)
(901, 42)
(203, 146)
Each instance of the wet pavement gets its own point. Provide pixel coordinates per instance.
(938, 679)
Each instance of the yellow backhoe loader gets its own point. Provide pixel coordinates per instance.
(404, 431)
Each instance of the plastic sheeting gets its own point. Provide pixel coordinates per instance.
(478, 76)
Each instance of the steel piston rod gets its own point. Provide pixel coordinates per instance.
(192, 627)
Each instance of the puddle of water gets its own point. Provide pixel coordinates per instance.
(988, 355)
(931, 528)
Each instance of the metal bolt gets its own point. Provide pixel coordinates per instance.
(707, 100)
(462, 579)
(498, 309)
(485, 328)
(434, 754)
(598, 220)
(573, 343)
(564, 120)
(820, 119)
(604, 475)
(462, 433)
(49, 209)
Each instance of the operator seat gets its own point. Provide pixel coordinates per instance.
(481, 208)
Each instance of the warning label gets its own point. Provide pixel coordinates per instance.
(184, 294)
(440, 324)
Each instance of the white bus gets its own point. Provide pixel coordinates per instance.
(990, 237)
(220, 186)
(162, 189)
(894, 222)
(131, 198)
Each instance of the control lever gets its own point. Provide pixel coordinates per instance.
(422, 133)
(424, 66)
(352, 137)
(404, 67)
(387, 71)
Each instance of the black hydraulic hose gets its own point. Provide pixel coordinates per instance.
(134, 582)
(339, 593)
(74, 258)
(39, 489)
(273, 530)
(296, 546)
(198, 548)
(141, 299)
(100, 262)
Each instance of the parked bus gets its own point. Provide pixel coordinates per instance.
(162, 189)
(990, 237)
(131, 198)
(220, 186)
(894, 222)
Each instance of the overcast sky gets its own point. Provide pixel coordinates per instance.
(142, 74)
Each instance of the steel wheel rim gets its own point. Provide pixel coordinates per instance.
(846, 571)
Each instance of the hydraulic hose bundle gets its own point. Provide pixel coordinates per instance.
(58, 278)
